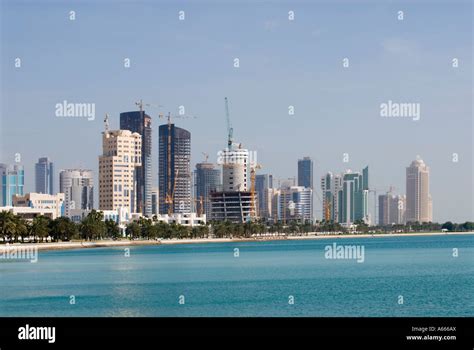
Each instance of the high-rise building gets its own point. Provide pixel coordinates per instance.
(295, 204)
(235, 202)
(155, 201)
(78, 188)
(330, 186)
(263, 188)
(44, 176)
(353, 200)
(391, 209)
(120, 157)
(286, 183)
(174, 167)
(305, 175)
(207, 179)
(419, 204)
(305, 172)
(235, 169)
(140, 122)
(12, 183)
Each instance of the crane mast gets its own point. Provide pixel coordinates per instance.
(230, 130)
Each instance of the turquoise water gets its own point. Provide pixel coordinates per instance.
(257, 283)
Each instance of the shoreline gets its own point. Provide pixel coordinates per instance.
(126, 243)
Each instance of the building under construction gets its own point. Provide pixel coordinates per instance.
(231, 206)
(237, 201)
(174, 168)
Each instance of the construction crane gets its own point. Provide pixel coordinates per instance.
(140, 105)
(230, 130)
(169, 197)
(106, 122)
(206, 156)
(200, 207)
(253, 170)
(327, 210)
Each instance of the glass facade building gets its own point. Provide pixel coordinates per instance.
(207, 179)
(305, 172)
(12, 183)
(140, 123)
(353, 198)
(174, 169)
(78, 188)
(44, 176)
(263, 184)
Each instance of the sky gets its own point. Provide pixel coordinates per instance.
(282, 63)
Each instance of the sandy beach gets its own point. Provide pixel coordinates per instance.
(128, 243)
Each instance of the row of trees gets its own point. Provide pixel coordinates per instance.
(14, 228)
(93, 227)
(427, 227)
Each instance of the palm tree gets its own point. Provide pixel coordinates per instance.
(21, 228)
(92, 226)
(7, 225)
(112, 229)
(40, 227)
(133, 230)
(162, 229)
(62, 228)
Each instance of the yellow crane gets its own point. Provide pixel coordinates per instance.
(253, 170)
(169, 198)
(200, 206)
(327, 209)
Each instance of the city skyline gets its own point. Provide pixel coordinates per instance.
(181, 141)
(328, 111)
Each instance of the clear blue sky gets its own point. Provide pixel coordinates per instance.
(282, 63)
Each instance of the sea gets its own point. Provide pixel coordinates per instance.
(332, 277)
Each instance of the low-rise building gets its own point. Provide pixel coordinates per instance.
(34, 200)
(29, 214)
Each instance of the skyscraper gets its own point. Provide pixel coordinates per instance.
(305, 175)
(235, 202)
(263, 186)
(418, 197)
(120, 157)
(391, 209)
(155, 201)
(207, 179)
(353, 198)
(12, 183)
(174, 169)
(235, 169)
(140, 123)
(305, 172)
(330, 186)
(295, 204)
(44, 176)
(78, 188)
